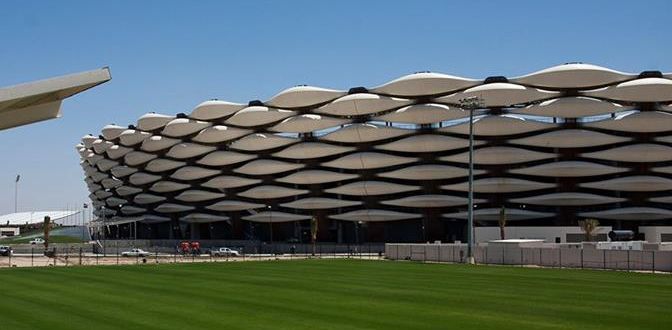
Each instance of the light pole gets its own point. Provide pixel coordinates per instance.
(270, 223)
(105, 229)
(357, 224)
(84, 227)
(471, 103)
(16, 193)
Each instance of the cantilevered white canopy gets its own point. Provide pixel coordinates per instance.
(22, 218)
(41, 100)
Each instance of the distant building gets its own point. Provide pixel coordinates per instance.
(9, 231)
(389, 163)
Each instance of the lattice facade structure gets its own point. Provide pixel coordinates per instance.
(552, 147)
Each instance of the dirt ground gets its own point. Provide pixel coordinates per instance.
(99, 259)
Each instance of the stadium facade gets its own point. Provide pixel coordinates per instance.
(390, 163)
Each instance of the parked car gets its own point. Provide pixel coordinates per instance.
(183, 247)
(224, 252)
(38, 240)
(195, 248)
(186, 247)
(5, 251)
(135, 253)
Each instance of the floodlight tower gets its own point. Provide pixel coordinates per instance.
(471, 103)
(16, 193)
(270, 224)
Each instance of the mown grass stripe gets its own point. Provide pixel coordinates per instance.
(330, 294)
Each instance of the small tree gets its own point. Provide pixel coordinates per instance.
(313, 232)
(502, 222)
(589, 226)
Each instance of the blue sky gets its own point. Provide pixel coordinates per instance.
(168, 56)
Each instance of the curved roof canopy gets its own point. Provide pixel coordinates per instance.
(41, 100)
(22, 218)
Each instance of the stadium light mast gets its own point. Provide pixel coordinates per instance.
(84, 227)
(270, 223)
(471, 103)
(16, 193)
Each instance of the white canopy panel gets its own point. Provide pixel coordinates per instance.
(23, 218)
(41, 100)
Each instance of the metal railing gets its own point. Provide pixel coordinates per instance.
(118, 253)
(560, 257)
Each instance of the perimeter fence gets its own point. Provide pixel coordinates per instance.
(568, 256)
(126, 253)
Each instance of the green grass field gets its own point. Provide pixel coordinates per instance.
(331, 294)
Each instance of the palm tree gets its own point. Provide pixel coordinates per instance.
(502, 222)
(313, 232)
(589, 226)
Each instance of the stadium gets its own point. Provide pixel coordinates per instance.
(436, 165)
(390, 163)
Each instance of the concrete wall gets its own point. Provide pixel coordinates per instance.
(547, 233)
(9, 231)
(245, 246)
(654, 233)
(550, 255)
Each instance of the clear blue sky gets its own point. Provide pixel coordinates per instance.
(168, 56)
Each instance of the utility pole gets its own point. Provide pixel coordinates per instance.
(270, 223)
(84, 226)
(16, 193)
(471, 103)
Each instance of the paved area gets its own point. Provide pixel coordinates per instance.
(90, 259)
